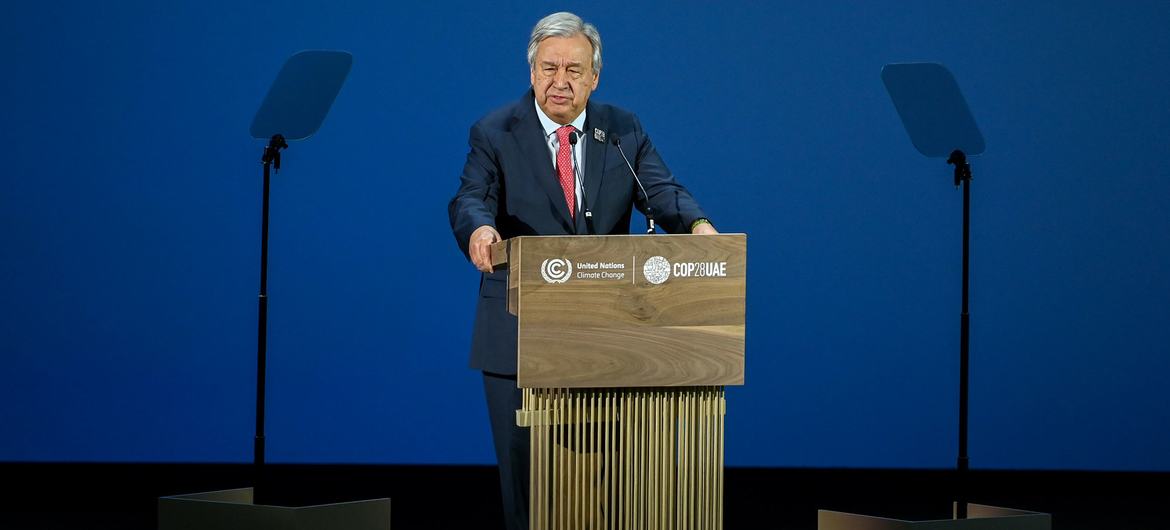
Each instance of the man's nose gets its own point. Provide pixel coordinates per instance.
(561, 78)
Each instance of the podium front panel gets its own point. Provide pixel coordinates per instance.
(629, 311)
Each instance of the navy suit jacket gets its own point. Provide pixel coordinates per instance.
(509, 182)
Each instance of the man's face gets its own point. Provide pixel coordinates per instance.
(562, 76)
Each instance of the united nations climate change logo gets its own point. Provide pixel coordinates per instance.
(556, 270)
(656, 270)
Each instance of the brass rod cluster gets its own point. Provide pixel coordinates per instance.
(618, 459)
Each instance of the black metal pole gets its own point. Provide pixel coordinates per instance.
(271, 159)
(963, 179)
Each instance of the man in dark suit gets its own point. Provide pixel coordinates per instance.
(549, 165)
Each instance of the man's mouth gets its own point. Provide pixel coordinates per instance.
(560, 100)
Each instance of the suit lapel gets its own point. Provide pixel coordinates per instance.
(530, 137)
(595, 151)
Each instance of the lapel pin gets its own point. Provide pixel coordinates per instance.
(599, 135)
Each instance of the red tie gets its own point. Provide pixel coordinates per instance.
(565, 167)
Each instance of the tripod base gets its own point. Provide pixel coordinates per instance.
(234, 510)
(979, 517)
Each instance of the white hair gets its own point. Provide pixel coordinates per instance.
(564, 24)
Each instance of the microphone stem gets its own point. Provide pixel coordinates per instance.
(577, 174)
(649, 209)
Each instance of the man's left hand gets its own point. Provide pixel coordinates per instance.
(704, 229)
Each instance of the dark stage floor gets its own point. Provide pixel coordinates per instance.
(117, 496)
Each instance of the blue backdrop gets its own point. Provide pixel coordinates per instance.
(130, 208)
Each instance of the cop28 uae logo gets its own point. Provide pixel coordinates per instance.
(556, 270)
(656, 270)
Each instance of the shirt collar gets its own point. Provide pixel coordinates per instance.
(550, 127)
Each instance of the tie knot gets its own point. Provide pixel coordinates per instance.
(564, 132)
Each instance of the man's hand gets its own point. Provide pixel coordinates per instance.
(704, 229)
(480, 247)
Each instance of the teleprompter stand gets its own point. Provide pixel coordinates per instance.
(936, 117)
(294, 109)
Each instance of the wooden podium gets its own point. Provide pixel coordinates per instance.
(625, 345)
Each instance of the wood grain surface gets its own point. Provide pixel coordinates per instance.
(589, 316)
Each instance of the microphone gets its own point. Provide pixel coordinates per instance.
(617, 142)
(573, 137)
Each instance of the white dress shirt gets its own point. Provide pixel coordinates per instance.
(550, 136)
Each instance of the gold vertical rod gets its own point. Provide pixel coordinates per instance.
(610, 420)
(549, 463)
(707, 460)
(549, 457)
(700, 459)
(579, 460)
(682, 459)
(626, 464)
(558, 490)
(570, 463)
(716, 499)
(696, 464)
(643, 473)
(550, 446)
(532, 406)
(701, 472)
(711, 472)
(663, 459)
(616, 482)
(620, 441)
(676, 419)
(721, 411)
(638, 457)
(620, 466)
(588, 449)
(696, 458)
(526, 405)
(560, 471)
(566, 468)
(632, 429)
(536, 428)
(635, 461)
(545, 460)
(649, 502)
(667, 462)
(546, 471)
(690, 483)
(537, 519)
(711, 458)
(653, 460)
(577, 455)
(566, 461)
(537, 447)
(701, 475)
(692, 457)
(554, 422)
(635, 458)
(591, 463)
(693, 454)
(595, 461)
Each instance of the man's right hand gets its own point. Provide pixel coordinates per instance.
(480, 247)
